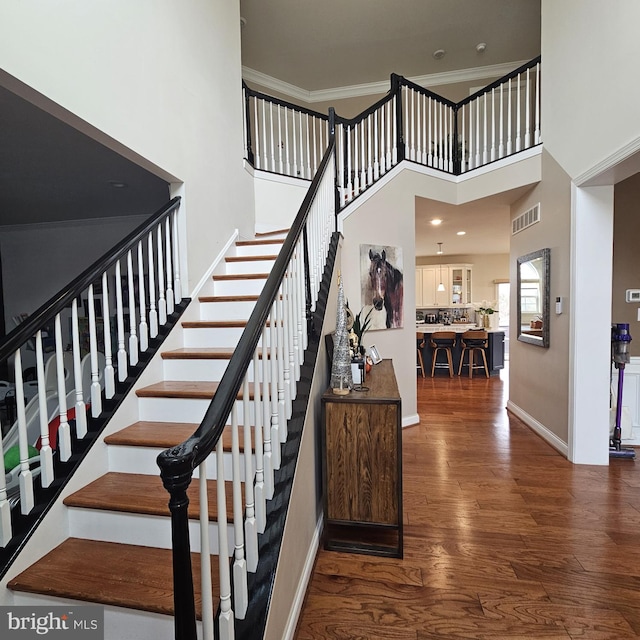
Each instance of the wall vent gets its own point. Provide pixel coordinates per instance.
(526, 219)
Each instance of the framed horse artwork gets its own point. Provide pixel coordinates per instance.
(381, 280)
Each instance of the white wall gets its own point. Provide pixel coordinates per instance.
(590, 53)
(37, 263)
(159, 82)
(278, 199)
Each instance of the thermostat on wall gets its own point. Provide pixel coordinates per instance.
(633, 295)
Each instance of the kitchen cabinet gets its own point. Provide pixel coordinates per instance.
(456, 279)
(362, 466)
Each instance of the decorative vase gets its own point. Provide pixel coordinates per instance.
(486, 321)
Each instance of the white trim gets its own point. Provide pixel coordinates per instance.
(301, 591)
(381, 87)
(209, 272)
(539, 428)
(604, 172)
(281, 179)
(409, 421)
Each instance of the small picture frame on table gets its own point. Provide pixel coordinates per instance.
(372, 352)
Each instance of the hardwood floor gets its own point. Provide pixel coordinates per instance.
(504, 539)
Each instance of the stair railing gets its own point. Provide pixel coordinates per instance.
(67, 356)
(281, 137)
(256, 390)
(410, 123)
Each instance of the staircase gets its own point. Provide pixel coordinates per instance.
(118, 553)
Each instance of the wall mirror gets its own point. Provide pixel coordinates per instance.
(533, 297)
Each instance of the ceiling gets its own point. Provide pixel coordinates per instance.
(316, 46)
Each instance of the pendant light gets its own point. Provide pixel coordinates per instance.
(441, 285)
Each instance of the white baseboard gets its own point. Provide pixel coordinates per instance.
(301, 591)
(209, 272)
(408, 421)
(540, 429)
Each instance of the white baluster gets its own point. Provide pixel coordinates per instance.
(96, 392)
(26, 477)
(109, 373)
(363, 161)
(308, 150)
(420, 148)
(133, 336)
(282, 407)
(280, 144)
(286, 144)
(369, 147)
(390, 111)
(394, 128)
(294, 147)
(485, 150)
(240, 589)
(6, 532)
(259, 487)
(430, 135)
(168, 264)
(509, 143)
(64, 431)
(518, 125)
(81, 410)
(162, 303)
(122, 352)
(536, 136)
(206, 588)
(301, 142)
(411, 123)
(272, 136)
(376, 147)
(291, 331)
(501, 136)
(143, 327)
(315, 143)
(478, 157)
(226, 617)
(177, 286)
(527, 129)
(266, 420)
(383, 138)
(463, 164)
(349, 182)
(273, 380)
(471, 152)
(356, 178)
(46, 454)
(250, 524)
(153, 312)
(493, 124)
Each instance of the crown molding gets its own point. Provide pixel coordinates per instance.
(373, 88)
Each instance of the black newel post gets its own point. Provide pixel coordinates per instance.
(332, 137)
(247, 115)
(396, 89)
(176, 476)
(457, 148)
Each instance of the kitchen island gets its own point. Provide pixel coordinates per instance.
(494, 351)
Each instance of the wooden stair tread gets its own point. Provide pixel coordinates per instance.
(214, 324)
(264, 234)
(109, 573)
(249, 258)
(184, 389)
(241, 276)
(259, 241)
(198, 353)
(163, 435)
(243, 298)
(144, 495)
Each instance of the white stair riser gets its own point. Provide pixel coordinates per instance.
(205, 337)
(180, 409)
(249, 287)
(236, 310)
(143, 459)
(204, 370)
(258, 249)
(132, 528)
(119, 623)
(249, 266)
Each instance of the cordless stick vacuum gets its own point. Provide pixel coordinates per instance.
(620, 339)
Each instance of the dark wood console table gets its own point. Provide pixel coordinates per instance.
(362, 466)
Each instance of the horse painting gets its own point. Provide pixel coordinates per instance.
(386, 283)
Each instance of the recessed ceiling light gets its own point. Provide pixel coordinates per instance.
(438, 54)
(461, 233)
(436, 221)
(117, 184)
(481, 47)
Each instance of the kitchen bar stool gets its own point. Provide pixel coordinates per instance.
(442, 341)
(474, 342)
(420, 343)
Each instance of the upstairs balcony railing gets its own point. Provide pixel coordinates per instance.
(409, 123)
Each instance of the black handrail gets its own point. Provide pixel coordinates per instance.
(40, 318)
(282, 103)
(178, 463)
